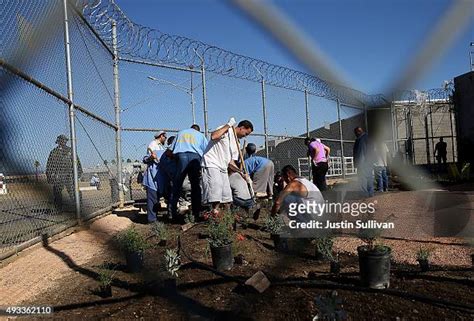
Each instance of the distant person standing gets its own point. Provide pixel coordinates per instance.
(60, 172)
(95, 180)
(380, 165)
(409, 151)
(261, 171)
(188, 149)
(319, 154)
(441, 152)
(363, 161)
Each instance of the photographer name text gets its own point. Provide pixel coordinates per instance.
(314, 224)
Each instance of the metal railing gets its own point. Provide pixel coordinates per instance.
(335, 167)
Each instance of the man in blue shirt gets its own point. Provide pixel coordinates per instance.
(166, 172)
(363, 153)
(150, 181)
(261, 170)
(188, 148)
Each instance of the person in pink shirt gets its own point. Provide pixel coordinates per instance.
(319, 154)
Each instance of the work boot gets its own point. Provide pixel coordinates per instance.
(256, 211)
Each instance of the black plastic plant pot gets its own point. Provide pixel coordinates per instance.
(280, 243)
(335, 267)
(318, 256)
(424, 265)
(162, 242)
(134, 261)
(374, 266)
(239, 259)
(222, 258)
(105, 291)
(169, 285)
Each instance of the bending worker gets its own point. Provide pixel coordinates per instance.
(188, 149)
(298, 191)
(261, 170)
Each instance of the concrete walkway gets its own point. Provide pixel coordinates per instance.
(38, 269)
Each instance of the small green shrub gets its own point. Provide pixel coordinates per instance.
(172, 262)
(324, 246)
(159, 230)
(220, 229)
(423, 254)
(106, 276)
(189, 218)
(130, 240)
(274, 224)
(330, 308)
(369, 236)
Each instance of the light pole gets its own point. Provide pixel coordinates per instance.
(183, 89)
(191, 91)
(264, 111)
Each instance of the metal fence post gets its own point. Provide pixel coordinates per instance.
(306, 111)
(341, 139)
(393, 117)
(193, 106)
(410, 137)
(452, 132)
(432, 135)
(204, 98)
(118, 133)
(310, 174)
(72, 126)
(264, 110)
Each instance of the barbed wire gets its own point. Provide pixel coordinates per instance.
(431, 95)
(137, 41)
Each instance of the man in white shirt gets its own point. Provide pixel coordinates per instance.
(159, 142)
(218, 157)
(300, 202)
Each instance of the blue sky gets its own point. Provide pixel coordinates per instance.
(371, 40)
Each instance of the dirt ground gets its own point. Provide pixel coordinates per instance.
(72, 263)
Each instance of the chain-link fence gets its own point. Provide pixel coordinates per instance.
(420, 124)
(46, 189)
(69, 87)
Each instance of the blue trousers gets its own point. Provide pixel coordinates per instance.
(187, 164)
(366, 180)
(381, 178)
(240, 202)
(151, 204)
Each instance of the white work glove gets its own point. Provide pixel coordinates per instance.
(231, 122)
(247, 178)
